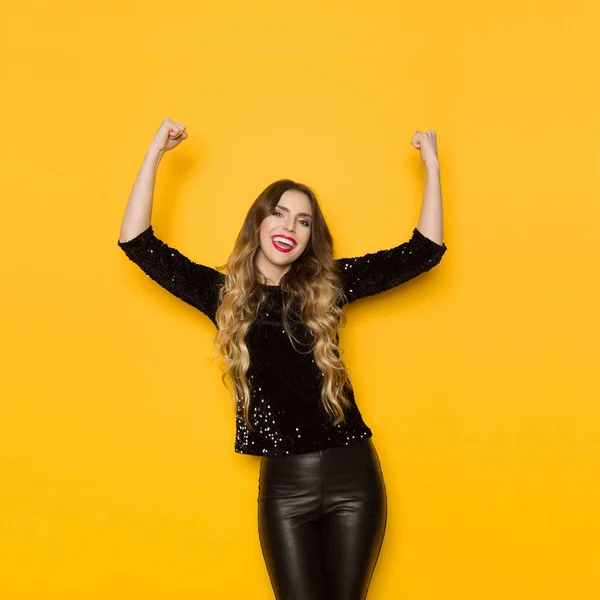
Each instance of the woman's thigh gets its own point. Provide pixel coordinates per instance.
(322, 518)
(354, 519)
(289, 508)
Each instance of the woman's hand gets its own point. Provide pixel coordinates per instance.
(169, 135)
(427, 144)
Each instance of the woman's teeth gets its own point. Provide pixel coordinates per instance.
(282, 244)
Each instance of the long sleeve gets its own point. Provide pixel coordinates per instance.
(196, 284)
(380, 271)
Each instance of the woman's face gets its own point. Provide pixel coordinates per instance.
(290, 219)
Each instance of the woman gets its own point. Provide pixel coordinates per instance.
(322, 506)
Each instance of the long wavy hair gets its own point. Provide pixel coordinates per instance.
(311, 290)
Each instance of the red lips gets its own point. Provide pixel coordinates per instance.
(281, 247)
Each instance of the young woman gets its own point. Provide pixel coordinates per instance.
(322, 505)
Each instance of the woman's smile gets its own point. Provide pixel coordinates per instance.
(283, 243)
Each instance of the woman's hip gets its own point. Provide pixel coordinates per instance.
(326, 477)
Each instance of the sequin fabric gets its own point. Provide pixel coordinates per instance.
(285, 381)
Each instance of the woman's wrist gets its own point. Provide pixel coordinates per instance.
(154, 154)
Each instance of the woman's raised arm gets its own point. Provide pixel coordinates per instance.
(138, 212)
(194, 283)
(379, 271)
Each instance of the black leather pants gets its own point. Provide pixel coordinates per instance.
(321, 520)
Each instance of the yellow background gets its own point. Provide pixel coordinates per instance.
(479, 378)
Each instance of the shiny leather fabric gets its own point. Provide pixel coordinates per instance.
(321, 519)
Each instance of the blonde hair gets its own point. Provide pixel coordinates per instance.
(313, 284)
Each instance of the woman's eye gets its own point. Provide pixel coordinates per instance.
(306, 223)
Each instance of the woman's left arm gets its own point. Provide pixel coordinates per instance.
(379, 271)
(430, 221)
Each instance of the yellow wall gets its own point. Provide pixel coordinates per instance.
(116, 437)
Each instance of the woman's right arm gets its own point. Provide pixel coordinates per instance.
(194, 283)
(138, 212)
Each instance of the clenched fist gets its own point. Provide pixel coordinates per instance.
(169, 135)
(427, 143)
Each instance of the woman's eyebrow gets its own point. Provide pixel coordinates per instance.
(302, 214)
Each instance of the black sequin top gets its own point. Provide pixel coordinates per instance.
(286, 410)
